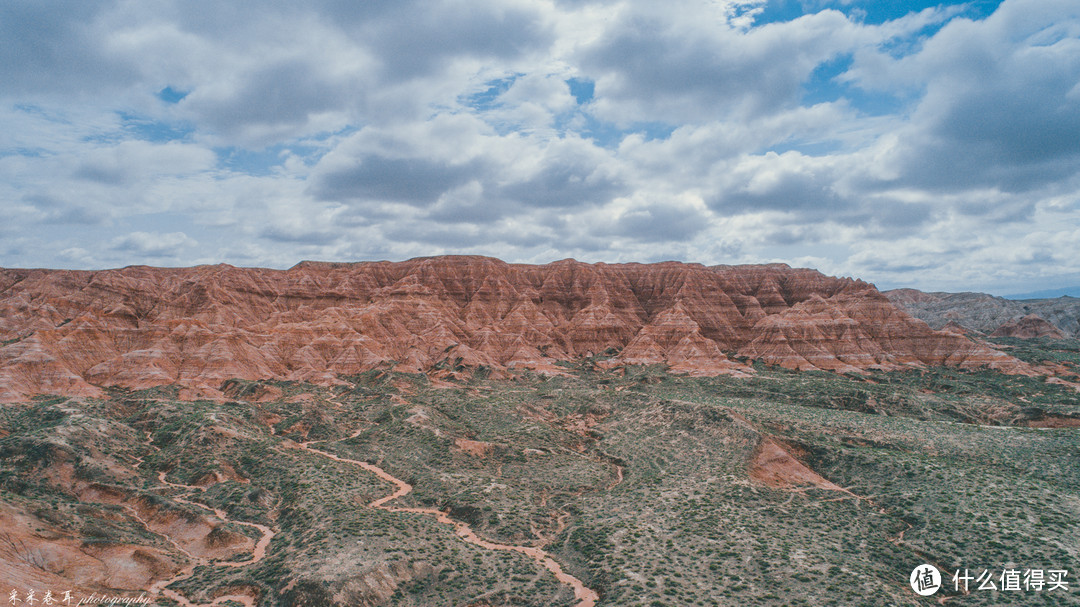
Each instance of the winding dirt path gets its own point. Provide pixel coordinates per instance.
(161, 587)
(258, 553)
(585, 596)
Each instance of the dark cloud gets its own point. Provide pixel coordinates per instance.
(54, 210)
(571, 174)
(415, 181)
(878, 219)
(470, 205)
(1007, 140)
(793, 235)
(899, 266)
(237, 20)
(563, 184)
(582, 3)
(101, 173)
(483, 183)
(259, 72)
(650, 67)
(1000, 211)
(774, 185)
(1033, 121)
(366, 213)
(291, 233)
(50, 46)
(1002, 103)
(281, 95)
(423, 39)
(658, 222)
(458, 237)
(901, 216)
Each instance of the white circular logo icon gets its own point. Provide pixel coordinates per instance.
(925, 580)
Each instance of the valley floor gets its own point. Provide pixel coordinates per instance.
(641, 488)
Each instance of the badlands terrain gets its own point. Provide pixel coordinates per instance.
(1057, 317)
(462, 431)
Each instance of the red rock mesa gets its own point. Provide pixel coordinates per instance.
(75, 332)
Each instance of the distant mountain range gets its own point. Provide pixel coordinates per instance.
(1047, 294)
(987, 313)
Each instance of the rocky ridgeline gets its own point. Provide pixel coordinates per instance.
(75, 332)
(1026, 318)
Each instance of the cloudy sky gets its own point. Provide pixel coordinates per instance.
(908, 143)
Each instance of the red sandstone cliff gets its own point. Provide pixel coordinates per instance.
(74, 332)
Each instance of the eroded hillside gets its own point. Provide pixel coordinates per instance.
(74, 333)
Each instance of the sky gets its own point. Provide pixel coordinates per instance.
(907, 143)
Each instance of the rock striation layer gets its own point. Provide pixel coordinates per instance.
(77, 332)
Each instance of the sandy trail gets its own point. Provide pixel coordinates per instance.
(259, 552)
(162, 587)
(585, 596)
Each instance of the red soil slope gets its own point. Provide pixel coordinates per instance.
(74, 332)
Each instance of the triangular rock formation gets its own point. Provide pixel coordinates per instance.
(1028, 327)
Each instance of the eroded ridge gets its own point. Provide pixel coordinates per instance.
(142, 327)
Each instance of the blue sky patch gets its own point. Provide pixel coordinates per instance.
(871, 12)
(171, 95)
(609, 135)
(155, 131)
(825, 86)
(488, 98)
(779, 11)
(262, 162)
(582, 90)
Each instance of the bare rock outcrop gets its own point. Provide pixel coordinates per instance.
(1028, 327)
(78, 332)
(985, 313)
(954, 327)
